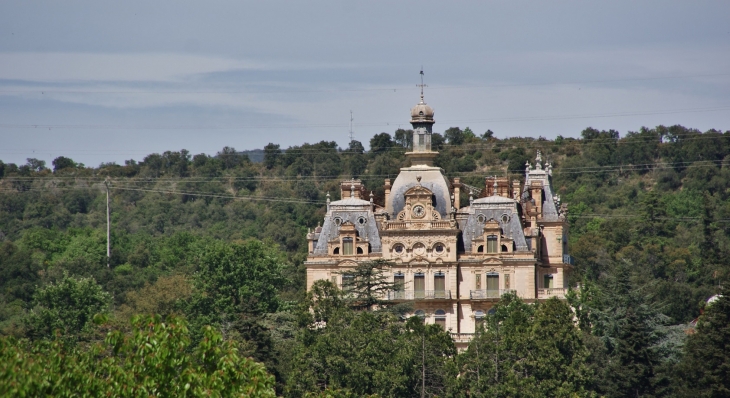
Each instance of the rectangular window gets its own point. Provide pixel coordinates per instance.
(547, 281)
(478, 282)
(347, 282)
(492, 285)
(334, 280)
(506, 282)
(439, 286)
(492, 244)
(441, 321)
(419, 286)
(399, 285)
(347, 246)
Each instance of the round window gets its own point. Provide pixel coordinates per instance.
(481, 218)
(398, 248)
(439, 248)
(361, 220)
(505, 218)
(338, 221)
(419, 249)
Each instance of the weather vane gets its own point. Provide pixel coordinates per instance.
(421, 85)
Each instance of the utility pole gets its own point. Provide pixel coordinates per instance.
(108, 225)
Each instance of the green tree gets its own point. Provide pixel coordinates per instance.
(156, 360)
(63, 162)
(381, 143)
(454, 136)
(68, 307)
(525, 351)
(272, 152)
(367, 285)
(404, 138)
(705, 368)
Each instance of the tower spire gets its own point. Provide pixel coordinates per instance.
(421, 85)
(352, 136)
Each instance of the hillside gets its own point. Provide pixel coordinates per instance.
(649, 216)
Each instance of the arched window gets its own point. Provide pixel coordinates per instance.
(359, 250)
(504, 248)
(492, 244)
(421, 314)
(480, 249)
(492, 311)
(440, 318)
(336, 251)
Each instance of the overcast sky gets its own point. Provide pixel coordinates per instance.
(102, 81)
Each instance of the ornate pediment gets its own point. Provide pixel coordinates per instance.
(492, 261)
(418, 261)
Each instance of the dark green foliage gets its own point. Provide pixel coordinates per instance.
(67, 308)
(371, 353)
(381, 143)
(63, 162)
(648, 228)
(367, 284)
(705, 368)
(525, 351)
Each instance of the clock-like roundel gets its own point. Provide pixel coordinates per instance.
(418, 211)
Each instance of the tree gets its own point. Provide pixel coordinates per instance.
(63, 162)
(705, 368)
(454, 136)
(271, 155)
(487, 135)
(155, 360)
(367, 285)
(404, 138)
(67, 306)
(381, 143)
(525, 351)
(36, 164)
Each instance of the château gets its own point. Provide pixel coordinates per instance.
(454, 263)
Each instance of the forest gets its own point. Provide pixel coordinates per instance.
(203, 293)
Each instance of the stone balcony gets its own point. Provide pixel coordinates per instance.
(489, 294)
(546, 293)
(419, 295)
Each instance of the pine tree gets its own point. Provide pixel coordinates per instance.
(705, 369)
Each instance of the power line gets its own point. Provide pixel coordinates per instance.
(50, 127)
(335, 90)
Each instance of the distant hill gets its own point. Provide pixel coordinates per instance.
(255, 155)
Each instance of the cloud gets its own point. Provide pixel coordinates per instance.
(81, 67)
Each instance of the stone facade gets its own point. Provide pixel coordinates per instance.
(453, 263)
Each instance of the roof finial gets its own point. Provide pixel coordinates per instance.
(352, 190)
(538, 160)
(371, 197)
(494, 193)
(421, 85)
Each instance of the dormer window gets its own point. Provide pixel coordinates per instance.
(347, 246)
(492, 244)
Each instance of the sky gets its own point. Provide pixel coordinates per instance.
(101, 81)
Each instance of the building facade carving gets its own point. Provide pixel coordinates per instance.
(453, 263)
